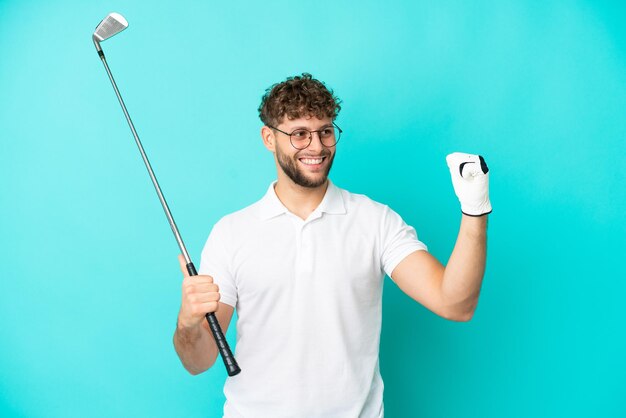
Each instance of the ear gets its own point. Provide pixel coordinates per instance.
(268, 138)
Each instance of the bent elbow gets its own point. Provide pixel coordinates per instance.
(461, 312)
(194, 371)
(466, 317)
(459, 317)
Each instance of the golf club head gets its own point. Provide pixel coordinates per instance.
(111, 25)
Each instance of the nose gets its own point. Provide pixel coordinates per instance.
(316, 142)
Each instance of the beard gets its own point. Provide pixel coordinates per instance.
(290, 167)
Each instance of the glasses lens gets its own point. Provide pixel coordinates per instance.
(300, 138)
(329, 136)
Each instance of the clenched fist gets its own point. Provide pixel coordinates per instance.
(470, 178)
(199, 297)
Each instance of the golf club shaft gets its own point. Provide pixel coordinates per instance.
(229, 360)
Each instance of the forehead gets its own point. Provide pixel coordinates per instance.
(309, 122)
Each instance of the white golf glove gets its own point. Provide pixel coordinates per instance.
(470, 178)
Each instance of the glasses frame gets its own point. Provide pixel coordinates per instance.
(310, 136)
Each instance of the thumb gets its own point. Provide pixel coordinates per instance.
(466, 165)
(183, 265)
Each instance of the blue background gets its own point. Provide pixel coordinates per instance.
(90, 286)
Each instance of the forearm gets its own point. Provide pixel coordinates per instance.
(464, 272)
(195, 347)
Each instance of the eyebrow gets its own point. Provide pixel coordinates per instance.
(305, 127)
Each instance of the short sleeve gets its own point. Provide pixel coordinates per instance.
(398, 240)
(215, 262)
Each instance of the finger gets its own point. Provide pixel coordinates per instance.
(205, 287)
(190, 288)
(205, 297)
(476, 167)
(466, 165)
(183, 265)
(206, 307)
(457, 158)
(202, 279)
(483, 164)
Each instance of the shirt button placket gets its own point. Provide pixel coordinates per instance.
(305, 250)
(298, 268)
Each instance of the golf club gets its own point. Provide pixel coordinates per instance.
(110, 26)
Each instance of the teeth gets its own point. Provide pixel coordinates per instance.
(311, 160)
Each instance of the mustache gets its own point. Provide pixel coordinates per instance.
(326, 153)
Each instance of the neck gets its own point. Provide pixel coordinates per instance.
(301, 201)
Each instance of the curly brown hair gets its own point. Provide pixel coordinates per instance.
(296, 97)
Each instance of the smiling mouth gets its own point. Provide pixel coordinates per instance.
(312, 161)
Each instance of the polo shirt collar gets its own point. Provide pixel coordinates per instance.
(332, 203)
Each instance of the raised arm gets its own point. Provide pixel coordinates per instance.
(452, 291)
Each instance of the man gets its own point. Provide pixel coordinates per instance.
(304, 267)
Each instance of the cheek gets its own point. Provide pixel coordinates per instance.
(283, 152)
(284, 158)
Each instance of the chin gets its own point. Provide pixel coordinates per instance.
(315, 185)
(308, 182)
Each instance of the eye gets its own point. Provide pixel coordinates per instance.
(326, 132)
(300, 134)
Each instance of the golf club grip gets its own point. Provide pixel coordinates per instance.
(232, 368)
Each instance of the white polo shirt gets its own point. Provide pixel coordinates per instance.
(308, 295)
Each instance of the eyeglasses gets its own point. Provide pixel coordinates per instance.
(302, 138)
